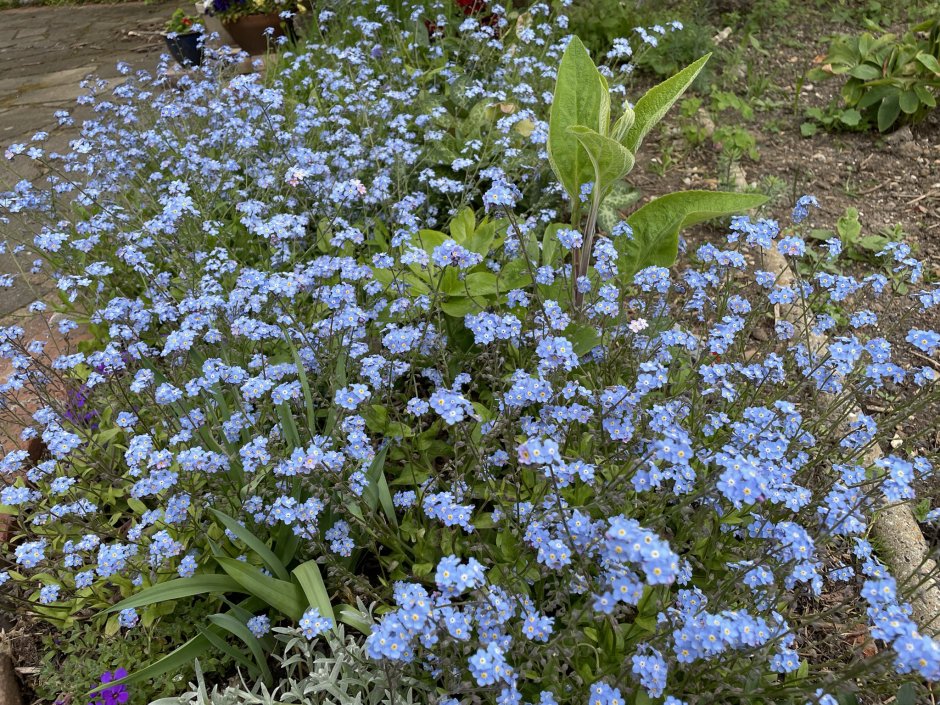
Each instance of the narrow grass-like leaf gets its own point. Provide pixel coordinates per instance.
(305, 386)
(219, 642)
(286, 597)
(311, 581)
(254, 543)
(174, 661)
(289, 426)
(177, 589)
(241, 631)
(352, 617)
(377, 491)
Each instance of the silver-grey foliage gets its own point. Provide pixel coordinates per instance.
(333, 670)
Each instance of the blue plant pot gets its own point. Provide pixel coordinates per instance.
(185, 48)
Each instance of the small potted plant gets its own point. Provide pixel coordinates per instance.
(183, 35)
(253, 24)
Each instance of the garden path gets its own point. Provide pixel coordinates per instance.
(45, 52)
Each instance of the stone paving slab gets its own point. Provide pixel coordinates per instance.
(45, 52)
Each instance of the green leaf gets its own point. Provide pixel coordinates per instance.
(865, 72)
(607, 218)
(583, 338)
(427, 240)
(305, 386)
(175, 661)
(241, 631)
(622, 196)
(354, 618)
(610, 159)
(459, 306)
(479, 284)
(850, 117)
(177, 589)
(462, 226)
(581, 97)
(808, 129)
(929, 62)
(656, 225)
(311, 582)
(888, 112)
(623, 124)
(875, 95)
(848, 226)
(873, 243)
(254, 543)
(482, 238)
(286, 597)
(550, 242)
(656, 102)
(925, 96)
(909, 102)
(907, 695)
(377, 490)
(232, 652)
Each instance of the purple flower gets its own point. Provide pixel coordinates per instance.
(114, 694)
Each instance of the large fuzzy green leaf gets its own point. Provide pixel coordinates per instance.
(610, 159)
(656, 102)
(582, 97)
(656, 225)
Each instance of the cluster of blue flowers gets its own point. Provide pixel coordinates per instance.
(548, 486)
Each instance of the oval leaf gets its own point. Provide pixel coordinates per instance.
(581, 98)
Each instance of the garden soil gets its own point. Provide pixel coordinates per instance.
(891, 179)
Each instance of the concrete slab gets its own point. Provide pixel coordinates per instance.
(64, 95)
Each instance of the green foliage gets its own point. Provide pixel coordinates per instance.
(340, 675)
(73, 659)
(584, 148)
(679, 49)
(180, 22)
(657, 101)
(736, 142)
(656, 225)
(581, 99)
(855, 245)
(295, 589)
(891, 80)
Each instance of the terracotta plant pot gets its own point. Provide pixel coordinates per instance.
(248, 31)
